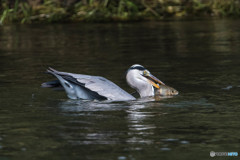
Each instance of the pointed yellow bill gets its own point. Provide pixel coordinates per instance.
(154, 84)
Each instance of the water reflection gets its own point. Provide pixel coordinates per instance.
(139, 130)
(131, 122)
(91, 106)
(130, 115)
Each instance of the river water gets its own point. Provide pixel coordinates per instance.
(199, 58)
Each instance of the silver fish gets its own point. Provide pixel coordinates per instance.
(165, 90)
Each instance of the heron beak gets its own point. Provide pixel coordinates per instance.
(153, 80)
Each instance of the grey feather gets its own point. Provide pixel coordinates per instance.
(90, 87)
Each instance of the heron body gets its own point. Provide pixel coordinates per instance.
(80, 86)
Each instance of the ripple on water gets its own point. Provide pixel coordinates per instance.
(122, 158)
(189, 103)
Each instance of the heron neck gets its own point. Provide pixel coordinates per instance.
(144, 88)
(146, 91)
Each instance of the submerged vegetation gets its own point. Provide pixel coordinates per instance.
(30, 11)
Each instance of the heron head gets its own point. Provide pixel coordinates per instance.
(142, 80)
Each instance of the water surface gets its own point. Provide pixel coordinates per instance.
(199, 58)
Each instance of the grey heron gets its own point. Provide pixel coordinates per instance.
(80, 86)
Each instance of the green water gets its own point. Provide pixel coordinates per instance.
(199, 58)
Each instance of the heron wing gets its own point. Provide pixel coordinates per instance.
(100, 85)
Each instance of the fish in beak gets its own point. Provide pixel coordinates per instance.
(165, 90)
(160, 88)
